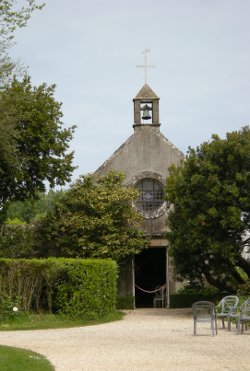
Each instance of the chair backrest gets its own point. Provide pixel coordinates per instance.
(245, 308)
(203, 309)
(228, 303)
(161, 291)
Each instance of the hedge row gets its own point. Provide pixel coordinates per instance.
(186, 300)
(74, 287)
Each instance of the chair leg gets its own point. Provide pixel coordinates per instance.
(212, 325)
(215, 322)
(244, 326)
(195, 324)
(229, 323)
(238, 326)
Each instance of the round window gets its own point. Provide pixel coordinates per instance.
(151, 195)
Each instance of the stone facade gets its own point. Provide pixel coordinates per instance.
(144, 159)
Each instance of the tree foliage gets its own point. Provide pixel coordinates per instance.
(210, 222)
(94, 218)
(12, 16)
(18, 237)
(34, 146)
(32, 210)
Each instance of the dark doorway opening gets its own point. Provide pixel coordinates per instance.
(150, 272)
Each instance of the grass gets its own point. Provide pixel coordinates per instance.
(16, 359)
(53, 321)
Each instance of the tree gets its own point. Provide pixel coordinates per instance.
(18, 237)
(11, 18)
(94, 218)
(210, 221)
(29, 211)
(34, 145)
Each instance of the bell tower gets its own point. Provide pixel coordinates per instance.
(146, 107)
(146, 102)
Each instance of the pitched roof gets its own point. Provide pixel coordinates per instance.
(146, 93)
(144, 150)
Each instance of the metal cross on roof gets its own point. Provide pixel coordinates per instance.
(145, 65)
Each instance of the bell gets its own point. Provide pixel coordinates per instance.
(146, 114)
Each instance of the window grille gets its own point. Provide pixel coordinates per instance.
(151, 195)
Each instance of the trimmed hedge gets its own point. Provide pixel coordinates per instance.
(186, 300)
(88, 288)
(73, 287)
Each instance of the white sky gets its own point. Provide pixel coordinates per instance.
(90, 49)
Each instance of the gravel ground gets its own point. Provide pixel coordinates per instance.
(146, 339)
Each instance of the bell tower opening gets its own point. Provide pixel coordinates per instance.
(146, 112)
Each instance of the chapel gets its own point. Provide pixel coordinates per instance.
(145, 158)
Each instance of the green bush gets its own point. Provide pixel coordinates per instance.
(10, 309)
(126, 302)
(88, 289)
(33, 280)
(244, 290)
(17, 240)
(186, 300)
(189, 295)
(73, 287)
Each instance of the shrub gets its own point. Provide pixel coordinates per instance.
(17, 240)
(73, 287)
(88, 288)
(126, 302)
(10, 308)
(244, 290)
(189, 295)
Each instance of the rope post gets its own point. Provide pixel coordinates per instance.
(167, 278)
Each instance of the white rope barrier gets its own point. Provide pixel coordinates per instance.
(150, 291)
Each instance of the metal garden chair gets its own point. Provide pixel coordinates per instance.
(160, 296)
(244, 316)
(227, 305)
(204, 311)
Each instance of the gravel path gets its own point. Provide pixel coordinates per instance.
(146, 339)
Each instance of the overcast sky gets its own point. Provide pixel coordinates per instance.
(90, 49)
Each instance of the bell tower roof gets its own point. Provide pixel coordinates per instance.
(146, 93)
